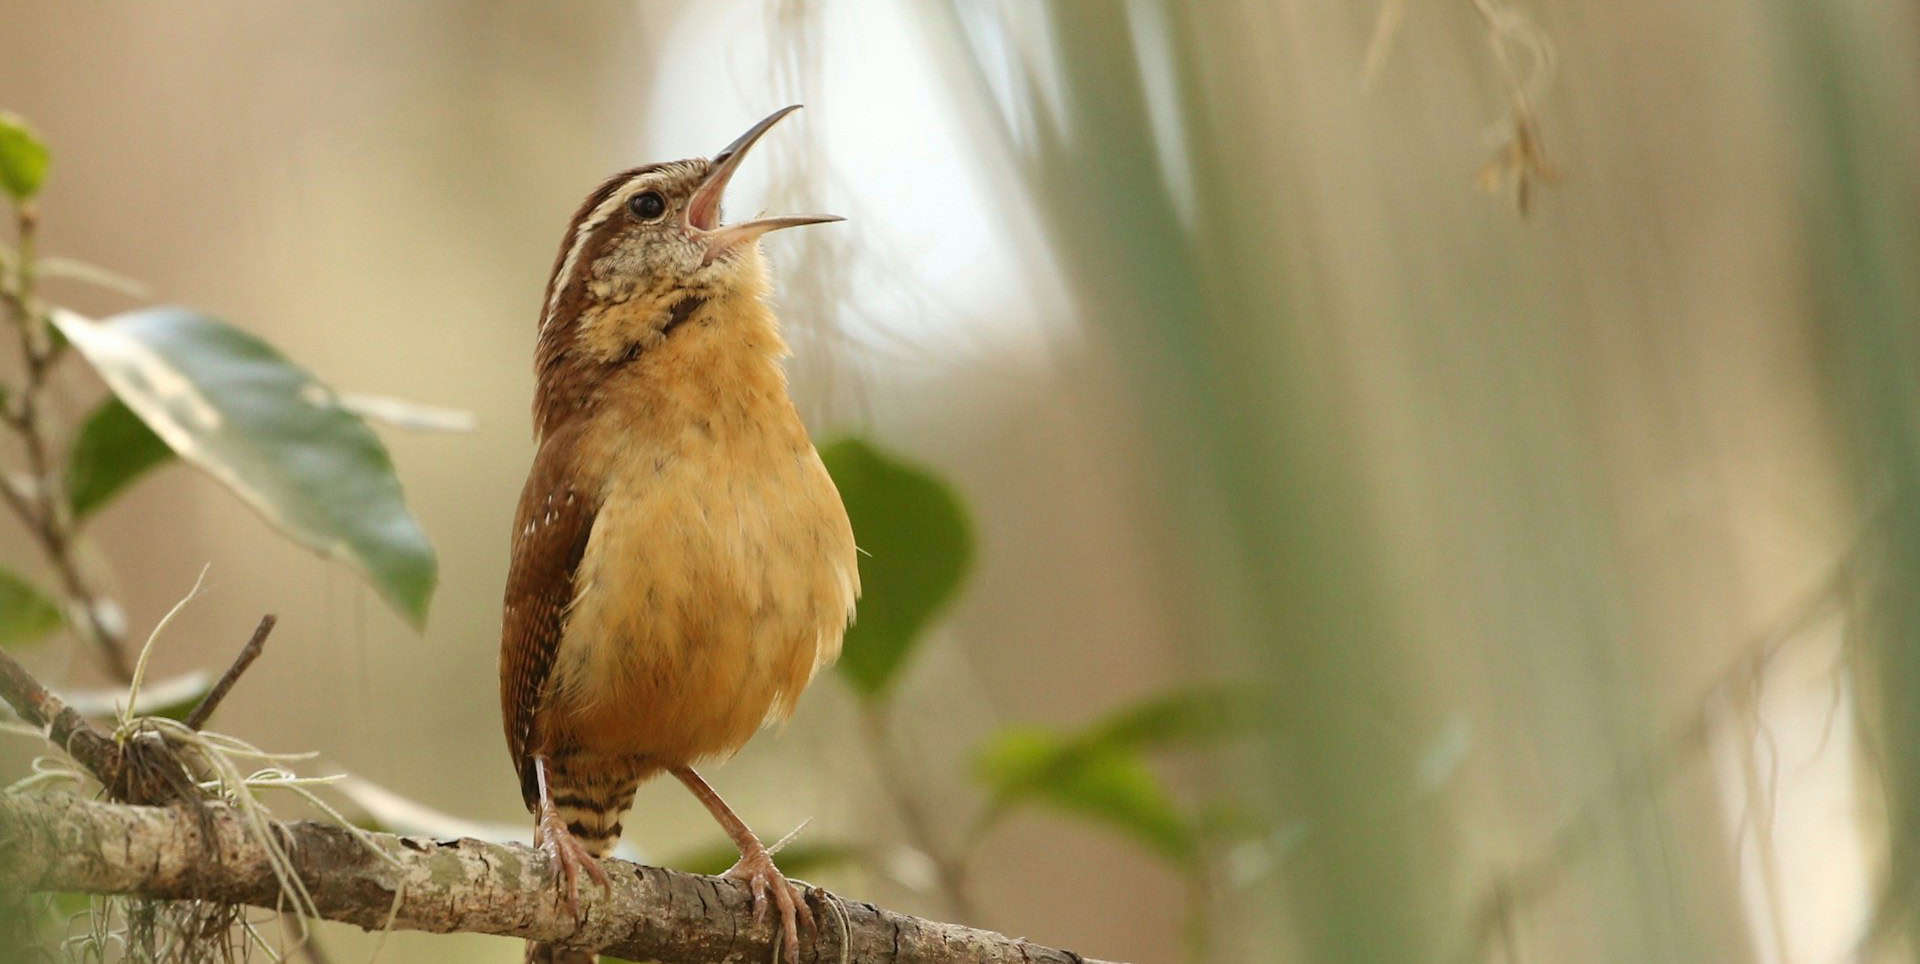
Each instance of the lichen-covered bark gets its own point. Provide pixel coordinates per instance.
(63, 842)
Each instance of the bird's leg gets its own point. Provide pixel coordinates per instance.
(755, 866)
(569, 857)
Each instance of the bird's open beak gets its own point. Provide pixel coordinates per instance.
(703, 209)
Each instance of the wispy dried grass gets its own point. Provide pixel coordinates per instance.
(169, 760)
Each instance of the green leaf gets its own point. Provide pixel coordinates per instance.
(797, 860)
(1099, 771)
(23, 158)
(113, 449)
(25, 613)
(1197, 716)
(916, 547)
(230, 404)
(1103, 780)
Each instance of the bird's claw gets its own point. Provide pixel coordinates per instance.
(569, 859)
(762, 879)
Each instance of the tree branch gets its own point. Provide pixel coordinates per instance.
(204, 851)
(66, 843)
(65, 727)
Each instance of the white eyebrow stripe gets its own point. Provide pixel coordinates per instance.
(578, 241)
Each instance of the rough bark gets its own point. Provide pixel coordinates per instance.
(63, 842)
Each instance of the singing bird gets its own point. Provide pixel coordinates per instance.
(682, 564)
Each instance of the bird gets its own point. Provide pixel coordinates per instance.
(681, 564)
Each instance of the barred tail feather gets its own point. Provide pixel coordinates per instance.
(593, 813)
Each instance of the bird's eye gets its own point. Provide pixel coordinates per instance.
(647, 205)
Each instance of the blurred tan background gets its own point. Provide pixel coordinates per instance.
(1524, 524)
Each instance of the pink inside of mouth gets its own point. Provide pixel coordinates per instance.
(703, 211)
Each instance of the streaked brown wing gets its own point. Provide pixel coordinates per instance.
(550, 532)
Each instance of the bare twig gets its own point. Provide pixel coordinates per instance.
(248, 653)
(65, 843)
(17, 500)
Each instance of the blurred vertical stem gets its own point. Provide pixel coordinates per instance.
(1254, 448)
(1856, 82)
(949, 860)
(44, 510)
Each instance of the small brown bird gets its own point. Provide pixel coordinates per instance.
(682, 565)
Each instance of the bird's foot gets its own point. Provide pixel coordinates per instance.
(570, 857)
(762, 877)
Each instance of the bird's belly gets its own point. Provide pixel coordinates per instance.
(705, 602)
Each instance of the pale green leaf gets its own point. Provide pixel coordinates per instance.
(26, 614)
(916, 547)
(400, 413)
(172, 698)
(231, 405)
(1105, 781)
(113, 449)
(1099, 771)
(86, 272)
(23, 158)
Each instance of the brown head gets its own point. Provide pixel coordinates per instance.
(644, 252)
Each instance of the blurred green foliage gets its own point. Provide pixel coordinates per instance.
(26, 614)
(916, 551)
(1864, 277)
(1093, 778)
(916, 547)
(113, 449)
(23, 158)
(1101, 771)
